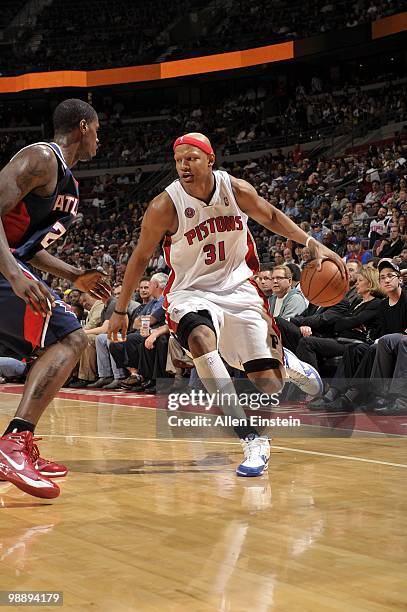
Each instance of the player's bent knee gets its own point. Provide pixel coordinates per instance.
(77, 341)
(196, 332)
(267, 381)
(265, 374)
(201, 340)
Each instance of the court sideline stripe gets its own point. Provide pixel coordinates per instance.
(284, 448)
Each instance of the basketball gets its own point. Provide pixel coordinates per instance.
(325, 287)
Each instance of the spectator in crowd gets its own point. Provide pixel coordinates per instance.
(305, 257)
(12, 370)
(354, 268)
(96, 324)
(127, 354)
(357, 361)
(153, 358)
(378, 226)
(356, 251)
(286, 300)
(359, 323)
(87, 362)
(109, 375)
(389, 375)
(374, 194)
(395, 244)
(264, 279)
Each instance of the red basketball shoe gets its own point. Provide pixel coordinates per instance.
(16, 465)
(47, 467)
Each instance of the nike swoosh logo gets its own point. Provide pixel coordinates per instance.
(16, 466)
(38, 484)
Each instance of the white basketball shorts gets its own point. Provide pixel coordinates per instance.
(244, 328)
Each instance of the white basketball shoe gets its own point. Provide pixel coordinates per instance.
(302, 374)
(256, 456)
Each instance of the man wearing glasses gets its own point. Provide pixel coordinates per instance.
(287, 301)
(390, 364)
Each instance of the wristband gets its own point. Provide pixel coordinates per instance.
(308, 239)
(119, 312)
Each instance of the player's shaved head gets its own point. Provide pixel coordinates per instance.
(200, 137)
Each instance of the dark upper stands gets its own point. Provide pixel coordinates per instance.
(99, 33)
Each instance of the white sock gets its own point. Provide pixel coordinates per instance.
(214, 375)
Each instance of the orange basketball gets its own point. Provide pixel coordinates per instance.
(326, 287)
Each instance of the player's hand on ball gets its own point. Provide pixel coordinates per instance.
(320, 251)
(117, 330)
(95, 283)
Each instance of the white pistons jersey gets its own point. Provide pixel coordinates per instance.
(212, 249)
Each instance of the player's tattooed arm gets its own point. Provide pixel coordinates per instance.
(32, 169)
(49, 263)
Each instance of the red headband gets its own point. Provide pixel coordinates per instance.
(193, 141)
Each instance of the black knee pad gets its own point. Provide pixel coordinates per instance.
(189, 322)
(261, 365)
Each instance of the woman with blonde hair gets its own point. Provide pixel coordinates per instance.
(360, 322)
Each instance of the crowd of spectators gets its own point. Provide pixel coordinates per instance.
(123, 33)
(268, 21)
(273, 114)
(360, 196)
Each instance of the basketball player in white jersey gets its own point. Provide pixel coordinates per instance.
(213, 305)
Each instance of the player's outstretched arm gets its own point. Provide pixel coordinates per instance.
(46, 262)
(270, 217)
(94, 282)
(33, 169)
(160, 219)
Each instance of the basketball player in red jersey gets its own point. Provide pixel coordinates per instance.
(213, 306)
(39, 200)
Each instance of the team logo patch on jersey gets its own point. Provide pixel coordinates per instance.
(189, 212)
(226, 201)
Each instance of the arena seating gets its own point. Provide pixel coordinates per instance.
(123, 33)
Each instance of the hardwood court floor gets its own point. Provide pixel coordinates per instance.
(144, 524)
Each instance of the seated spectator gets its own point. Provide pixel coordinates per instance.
(378, 227)
(305, 257)
(357, 360)
(93, 328)
(354, 268)
(286, 300)
(374, 194)
(389, 374)
(110, 376)
(395, 245)
(357, 252)
(296, 272)
(153, 359)
(264, 279)
(278, 258)
(403, 259)
(288, 256)
(359, 323)
(127, 354)
(360, 216)
(12, 370)
(87, 362)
